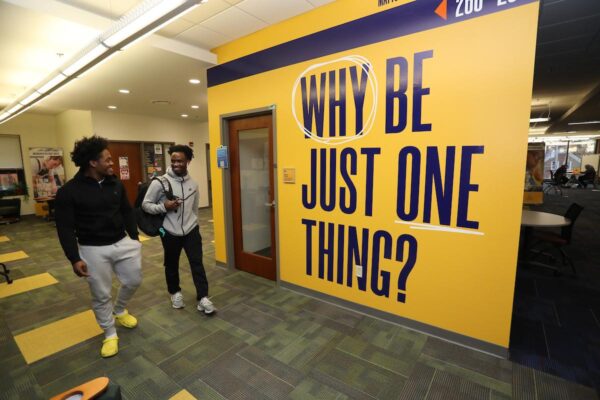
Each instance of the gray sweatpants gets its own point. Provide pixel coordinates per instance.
(125, 259)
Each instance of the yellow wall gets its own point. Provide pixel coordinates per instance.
(479, 72)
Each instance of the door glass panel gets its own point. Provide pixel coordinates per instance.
(254, 191)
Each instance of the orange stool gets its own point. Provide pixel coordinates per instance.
(94, 389)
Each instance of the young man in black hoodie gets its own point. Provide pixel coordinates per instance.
(92, 215)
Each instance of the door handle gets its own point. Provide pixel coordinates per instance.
(271, 204)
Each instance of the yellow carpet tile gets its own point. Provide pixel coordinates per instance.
(56, 336)
(14, 256)
(4, 239)
(26, 284)
(183, 395)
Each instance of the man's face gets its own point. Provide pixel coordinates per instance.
(179, 163)
(103, 166)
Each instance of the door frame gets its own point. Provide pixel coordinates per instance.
(226, 179)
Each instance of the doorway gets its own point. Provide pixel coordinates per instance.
(253, 194)
(127, 157)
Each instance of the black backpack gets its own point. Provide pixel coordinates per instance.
(150, 224)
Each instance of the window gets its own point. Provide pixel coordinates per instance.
(556, 153)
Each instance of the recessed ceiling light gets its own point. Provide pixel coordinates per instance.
(194, 81)
(184, 115)
(195, 107)
(124, 91)
(112, 107)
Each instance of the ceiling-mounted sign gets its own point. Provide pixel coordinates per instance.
(157, 148)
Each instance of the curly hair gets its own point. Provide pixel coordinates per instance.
(182, 148)
(88, 149)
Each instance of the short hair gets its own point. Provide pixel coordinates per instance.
(56, 158)
(88, 149)
(182, 148)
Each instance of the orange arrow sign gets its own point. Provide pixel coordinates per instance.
(442, 9)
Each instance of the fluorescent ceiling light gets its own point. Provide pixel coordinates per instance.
(52, 83)
(14, 109)
(30, 98)
(112, 107)
(195, 107)
(584, 123)
(96, 65)
(4, 115)
(142, 21)
(160, 26)
(84, 60)
(194, 81)
(542, 119)
(124, 91)
(184, 115)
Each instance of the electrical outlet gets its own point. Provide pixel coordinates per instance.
(359, 271)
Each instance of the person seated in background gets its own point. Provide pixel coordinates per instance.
(560, 175)
(589, 176)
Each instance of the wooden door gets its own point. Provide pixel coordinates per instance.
(127, 157)
(252, 194)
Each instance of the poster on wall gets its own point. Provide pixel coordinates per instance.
(534, 174)
(408, 181)
(154, 159)
(124, 168)
(47, 171)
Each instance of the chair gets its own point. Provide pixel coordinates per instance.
(5, 272)
(10, 210)
(583, 183)
(553, 183)
(97, 389)
(558, 240)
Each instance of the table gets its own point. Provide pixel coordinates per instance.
(538, 219)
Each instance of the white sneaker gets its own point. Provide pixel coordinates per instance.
(206, 305)
(177, 300)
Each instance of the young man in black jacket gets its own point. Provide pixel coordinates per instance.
(92, 215)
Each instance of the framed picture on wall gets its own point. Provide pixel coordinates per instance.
(12, 182)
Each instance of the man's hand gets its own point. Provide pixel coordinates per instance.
(172, 204)
(80, 268)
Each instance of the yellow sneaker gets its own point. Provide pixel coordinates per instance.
(127, 320)
(110, 347)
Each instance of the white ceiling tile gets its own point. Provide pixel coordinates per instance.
(176, 27)
(108, 8)
(273, 11)
(120, 7)
(207, 10)
(234, 23)
(203, 37)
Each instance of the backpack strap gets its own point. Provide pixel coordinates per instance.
(168, 192)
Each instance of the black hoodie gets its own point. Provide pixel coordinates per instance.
(92, 213)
